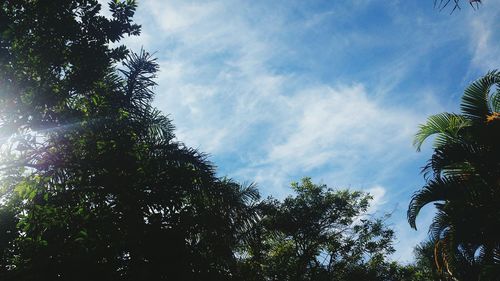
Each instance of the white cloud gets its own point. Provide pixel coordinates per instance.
(484, 35)
(342, 127)
(178, 16)
(217, 83)
(337, 122)
(378, 193)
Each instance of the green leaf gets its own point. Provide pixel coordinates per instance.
(446, 127)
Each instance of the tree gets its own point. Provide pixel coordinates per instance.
(94, 184)
(319, 234)
(462, 181)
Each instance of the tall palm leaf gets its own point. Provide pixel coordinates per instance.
(446, 126)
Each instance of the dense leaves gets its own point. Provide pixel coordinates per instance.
(94, 184)
(52, 55)
(320, 234)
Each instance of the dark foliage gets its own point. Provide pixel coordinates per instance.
(95, 187)
(320, 234)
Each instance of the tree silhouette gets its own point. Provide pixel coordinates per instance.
(462, 181)
(319, 234)
(94, 184)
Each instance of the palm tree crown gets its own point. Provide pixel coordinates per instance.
(463, 182)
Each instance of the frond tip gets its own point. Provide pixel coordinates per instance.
(140, 72)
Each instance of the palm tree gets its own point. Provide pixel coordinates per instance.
(463, 182)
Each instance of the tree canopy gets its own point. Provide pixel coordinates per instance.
(94, 184)
(318, 234)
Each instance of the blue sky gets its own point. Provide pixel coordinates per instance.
(278, 90)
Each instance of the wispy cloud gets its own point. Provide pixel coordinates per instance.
(485, 34)
(336, 134)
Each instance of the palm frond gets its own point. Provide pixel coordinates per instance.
(140, 71)
(440, 225)
(160, 128)
(475, 101)
(445, 125)
(438, 189)
(455, 159)
(249, 193)
(177, 155)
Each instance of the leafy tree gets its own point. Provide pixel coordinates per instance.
(94, 184)
(52, 55)
(462, 181)
(319, 234)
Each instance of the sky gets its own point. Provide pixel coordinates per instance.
(278, 90)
